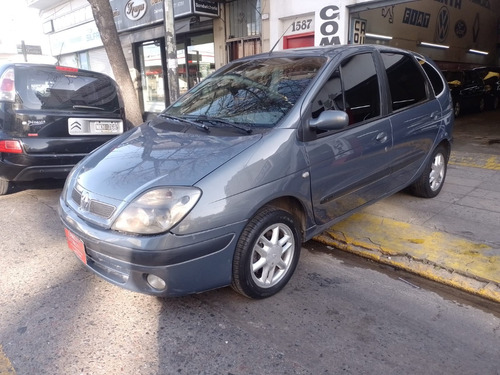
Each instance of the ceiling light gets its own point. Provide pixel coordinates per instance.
(378, 36)
(477, 51)
(432, 45)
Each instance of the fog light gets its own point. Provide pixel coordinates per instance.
(155, 282)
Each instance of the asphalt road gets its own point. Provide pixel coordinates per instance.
(338, 315)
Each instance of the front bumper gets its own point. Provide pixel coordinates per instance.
(187, 264)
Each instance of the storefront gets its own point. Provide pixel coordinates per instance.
(195, 45)
(452, 32)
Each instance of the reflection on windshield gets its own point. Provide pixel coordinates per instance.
(256, 93)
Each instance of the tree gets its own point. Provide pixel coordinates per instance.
(103, 16)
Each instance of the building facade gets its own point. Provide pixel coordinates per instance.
(209, 33)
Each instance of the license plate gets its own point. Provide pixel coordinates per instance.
(76, 245)
(101, 126)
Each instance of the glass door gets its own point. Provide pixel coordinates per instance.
(150, 56)
(195, 59)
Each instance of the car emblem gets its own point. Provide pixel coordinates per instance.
(85, 201)
(76, 126)
(443, 21)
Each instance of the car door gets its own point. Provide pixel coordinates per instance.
(416, 116)
(349, 167)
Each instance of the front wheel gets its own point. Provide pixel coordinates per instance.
(266, 254)
(430, 182)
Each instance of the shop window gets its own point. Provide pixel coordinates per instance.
(244, 18)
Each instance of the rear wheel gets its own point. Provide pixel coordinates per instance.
(266, 254)
(481, 105)
(4, 186)
(495, 103)
(457, 109)
(431, 181)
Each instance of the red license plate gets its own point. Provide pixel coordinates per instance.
(76, 245)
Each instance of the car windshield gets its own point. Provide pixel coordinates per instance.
(50, 88)
(256, 93)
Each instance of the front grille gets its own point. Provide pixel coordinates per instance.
(95, 207)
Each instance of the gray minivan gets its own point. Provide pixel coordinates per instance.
(51, 117)
(224, 186)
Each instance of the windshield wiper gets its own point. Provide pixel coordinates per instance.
(187, 121)
(78, 106)
(212, 120)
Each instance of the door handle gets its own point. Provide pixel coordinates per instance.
(381, 137)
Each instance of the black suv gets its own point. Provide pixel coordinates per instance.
(51, 117)
(491, 77)
(467, 90)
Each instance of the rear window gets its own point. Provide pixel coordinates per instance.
(52, 89)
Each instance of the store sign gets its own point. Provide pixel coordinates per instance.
(184, 8)
(329, 25)
(358, 31)
(131, 14)
(135, 9)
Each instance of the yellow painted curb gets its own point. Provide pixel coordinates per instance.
(5, 365)
(476, 160)
(438, 256)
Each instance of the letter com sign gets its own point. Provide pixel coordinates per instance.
(328, 26)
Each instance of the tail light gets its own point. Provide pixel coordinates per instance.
(8, 86)
(66, 69)
(11, 147)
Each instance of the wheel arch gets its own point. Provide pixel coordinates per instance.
(293, 206)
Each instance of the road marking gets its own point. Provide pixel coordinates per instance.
(476, 160)
(5, 365)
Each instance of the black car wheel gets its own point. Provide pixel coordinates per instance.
(266, 254)
(495, 103)
(431, 181)
(481, 105)
(457, 109)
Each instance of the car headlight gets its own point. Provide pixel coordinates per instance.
(157, 211)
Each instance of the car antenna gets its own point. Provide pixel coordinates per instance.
(282, 35)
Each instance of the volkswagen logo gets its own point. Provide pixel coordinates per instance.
(85, 201)
(443, 23)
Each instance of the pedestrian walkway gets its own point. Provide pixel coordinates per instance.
(453, 239)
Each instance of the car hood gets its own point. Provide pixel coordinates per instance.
(147, 157)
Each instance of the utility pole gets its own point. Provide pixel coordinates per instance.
(171, 51)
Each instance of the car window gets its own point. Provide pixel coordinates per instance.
(406, 81)
(48, 88)
(352, 88)
(258, 93)
(434, 77)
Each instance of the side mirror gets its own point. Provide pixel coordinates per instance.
(330, 120)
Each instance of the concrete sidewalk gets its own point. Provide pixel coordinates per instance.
(453, 239)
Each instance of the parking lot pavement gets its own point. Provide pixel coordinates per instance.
(453, 239)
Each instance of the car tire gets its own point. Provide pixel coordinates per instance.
(482, 105)
(495, 103)
(266, 254)
(457, 109)
(430, 182)
(4, 186)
